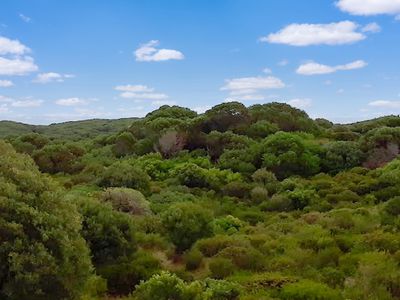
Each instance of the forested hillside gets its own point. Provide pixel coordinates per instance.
(248, 203)
(74, 130)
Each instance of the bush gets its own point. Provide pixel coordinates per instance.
(124, 275)
(109, 234)
(127, 200)
(193, 259)
(221, 267)
(166, 286)
(244, 257)
(42, 254)
(259, 195)
(392, 207)
(123, 174)
(186, 223)
(277, 203)
(307, 290)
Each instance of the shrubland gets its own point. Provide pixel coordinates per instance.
(258, 202)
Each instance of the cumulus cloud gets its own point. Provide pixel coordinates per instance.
(313, 68)
(369, 7)
(300, 102)
(14, 60)
(149, 52)
(6, 83)
(51, 77)
(8, 46)
(385, 104)
(74, 101)
(340, 33)
(17, 66)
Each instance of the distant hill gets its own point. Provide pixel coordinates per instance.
(74, 130)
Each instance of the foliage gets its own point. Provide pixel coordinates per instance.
(42, 254)
(185, 223)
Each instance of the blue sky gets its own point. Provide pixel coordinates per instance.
(71, 60)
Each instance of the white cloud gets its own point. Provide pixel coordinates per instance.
(27, 103)
(313, 68)
(74, 101)
(139, 92)
(24, 18)
(8, 46)
(247, 84)
(51, 77)
(300, 102)
(369, 7)
(149, 52)
(385, 104)
(6, 83)
(143, 96)
(133, 88)
(340, 33)
(371, 27)
(17, 66)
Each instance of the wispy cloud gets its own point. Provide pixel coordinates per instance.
(139, 92)
(149, 52)
(51, 77)
(386, 104)
(25, 18)
(74, 101)
(313, 68)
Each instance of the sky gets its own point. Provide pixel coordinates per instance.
(72, 60)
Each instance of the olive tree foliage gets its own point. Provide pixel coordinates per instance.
(42, 254)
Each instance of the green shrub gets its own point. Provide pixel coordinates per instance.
(244, 257)
(185, 223)
(193, 259)
(309, 290)
(127, 200)
(221, 267)
(258, 195)
(123, 174)
(123, 275)
(42, 254)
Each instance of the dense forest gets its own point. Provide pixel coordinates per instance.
(258, 202)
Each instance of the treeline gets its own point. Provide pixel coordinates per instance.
(236, 203)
